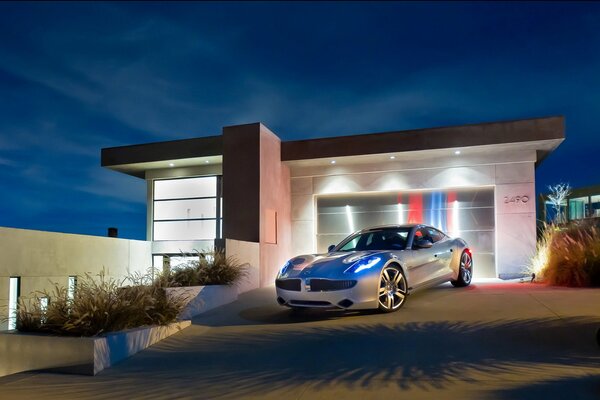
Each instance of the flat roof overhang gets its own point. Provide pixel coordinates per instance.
(136, 159)
(540, 134)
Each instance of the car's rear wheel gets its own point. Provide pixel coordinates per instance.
(465, 270)
(392, 289)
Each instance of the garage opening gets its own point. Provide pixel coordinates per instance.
(466, 212)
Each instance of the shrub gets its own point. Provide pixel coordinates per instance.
(98, 306)
(569, 256)
(211, 268)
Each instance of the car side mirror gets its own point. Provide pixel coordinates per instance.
(330, 248)
(423, 243)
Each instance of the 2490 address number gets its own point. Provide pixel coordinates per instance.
(516, 199)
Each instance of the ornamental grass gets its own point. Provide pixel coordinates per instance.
(210, 268)
(569, 255)
(99, 306)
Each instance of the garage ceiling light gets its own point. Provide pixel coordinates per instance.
(333, 161)
(392, 157)
(171, 165)
(457, 152)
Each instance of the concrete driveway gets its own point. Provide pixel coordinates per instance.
(487, 341)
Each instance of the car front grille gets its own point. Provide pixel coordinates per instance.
(328, 285)
(310, 303)
(288, 284)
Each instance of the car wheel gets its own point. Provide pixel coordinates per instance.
(392, 289)
(465, 270)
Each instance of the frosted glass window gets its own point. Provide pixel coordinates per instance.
(185, 188)
(185, 209)
(71, 287)
(14, 287)
(185, 230)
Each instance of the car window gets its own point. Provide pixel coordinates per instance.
(439, 235)
(351, 245)
(381, 239)
(424, 233)
(435, 235)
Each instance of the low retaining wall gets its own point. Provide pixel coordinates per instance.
(199, 299)
(21, 352)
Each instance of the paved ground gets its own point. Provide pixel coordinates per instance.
(488, 341)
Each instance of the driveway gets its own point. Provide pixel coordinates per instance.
(487, 341)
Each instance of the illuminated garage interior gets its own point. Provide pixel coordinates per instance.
(463, 212)
(266, 199)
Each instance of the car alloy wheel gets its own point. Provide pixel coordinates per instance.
(466, 263)
(465, 271)
(392, 289)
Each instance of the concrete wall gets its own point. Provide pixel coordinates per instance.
(40, 258)
(246, 253)
(274, 199)
(511, 173)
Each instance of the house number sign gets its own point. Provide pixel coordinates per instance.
(516, 199)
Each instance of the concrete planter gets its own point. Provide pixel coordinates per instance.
(199, 299)
(21, 352)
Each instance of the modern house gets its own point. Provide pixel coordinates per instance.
(278, 198)
(581, 203)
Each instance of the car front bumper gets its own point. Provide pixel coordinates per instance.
(354, 294)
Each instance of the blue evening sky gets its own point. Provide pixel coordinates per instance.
(77, 77)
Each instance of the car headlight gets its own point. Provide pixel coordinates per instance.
(363, 264)
(286, 267)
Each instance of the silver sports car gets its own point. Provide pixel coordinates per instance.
(375, 268)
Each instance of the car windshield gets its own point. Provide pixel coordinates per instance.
(377, 239)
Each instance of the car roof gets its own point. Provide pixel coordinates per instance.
(391, 226)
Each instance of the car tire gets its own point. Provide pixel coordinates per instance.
(465, 270)
(393, 289)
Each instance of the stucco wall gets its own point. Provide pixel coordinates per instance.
(274, 197)
(512, 174)
(40, 258)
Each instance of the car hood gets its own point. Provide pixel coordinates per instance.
(324, 265)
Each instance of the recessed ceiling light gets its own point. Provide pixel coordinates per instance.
(457, 152)
(333, 161)
(171, 165)
(392, 157)
(207, 161)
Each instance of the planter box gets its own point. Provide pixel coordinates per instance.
(21, 352)
(199, 299)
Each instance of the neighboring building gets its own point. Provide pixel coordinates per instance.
(292, 197)
(582, 203)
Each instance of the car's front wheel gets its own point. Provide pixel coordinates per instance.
(465, 270)
(392, 289)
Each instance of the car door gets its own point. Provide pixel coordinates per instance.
(423, 263)
(443, 252)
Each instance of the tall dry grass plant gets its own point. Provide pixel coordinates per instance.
(211, 268)
(569, 256)
(99, 305)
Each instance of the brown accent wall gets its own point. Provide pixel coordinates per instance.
(241, 182)
(257, 183)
